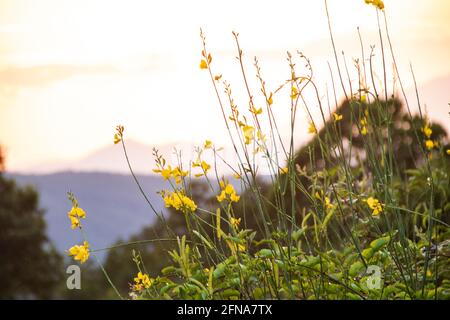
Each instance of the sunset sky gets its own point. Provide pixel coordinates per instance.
(70, 71)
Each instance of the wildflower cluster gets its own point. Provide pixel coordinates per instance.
(75, 214)
(168, 172)
(377, 3)
(179, 201)
(363, 123)
(118, 136)
(78, 252)
(375, 205)
(429, 143)
(142, 281)
(227, 192)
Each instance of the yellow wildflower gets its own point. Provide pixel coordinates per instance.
(179, 201)
(284, 170)
(294, 92)
(337, 116)
(205, 166)
(203, 64)
(142, 281)
(427, 131)
(256, 111)
(117, 139)
(236, 247)
(75, 214)
(235, 222)
(312, 128)
(237, 176)
(118, 136)
(227, 192)
(166, 173)
(377, 3)
(328, 204)
(363, 123)
(248, 133)
(448, 152)
(375, 205)
(207, 144)
(430, 144)
(270, 99)
(80, 252)
(364, 130)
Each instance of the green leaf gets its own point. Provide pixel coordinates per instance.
(356, 268)
(379, 243)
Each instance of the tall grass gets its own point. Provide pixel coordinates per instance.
(343, 206)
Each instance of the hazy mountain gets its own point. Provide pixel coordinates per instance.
(111, 158)
(115, 208)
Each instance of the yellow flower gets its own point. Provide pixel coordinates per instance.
(318, 195)
(448, 152)
(166, 173)
(427, 131)
(377, 3)
(75, 214)
(75, 222)
(364, 130)
(248, 133)
(312, 128)
(205, 166)
(142, 281)
(430, 144)
(179, 201)
(284, 170)
(236, 247)
(270, 99)
(207, 144)
(117, 139)
(234, 197)
(237, 176)
(227, 192)
(328, 204)
(203, 64)
(235, 222)
(337, 116)
(256, 111)
(375, 205)
(118, 136)
(80, 252)
(294, 92)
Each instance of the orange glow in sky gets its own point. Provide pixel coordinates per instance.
(70, 71)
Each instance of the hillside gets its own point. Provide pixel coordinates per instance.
(115, 208)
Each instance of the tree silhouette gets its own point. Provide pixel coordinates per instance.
(30, 267)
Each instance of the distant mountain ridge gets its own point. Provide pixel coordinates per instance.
(115, 208)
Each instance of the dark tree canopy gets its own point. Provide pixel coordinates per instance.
(30, 267)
